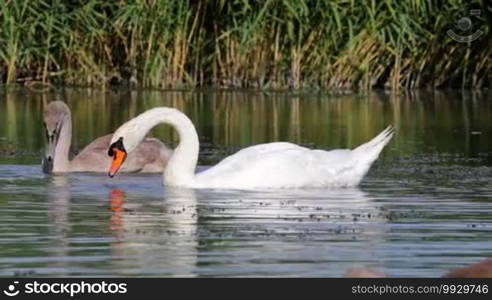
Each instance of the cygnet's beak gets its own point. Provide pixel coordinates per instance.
(49, 155)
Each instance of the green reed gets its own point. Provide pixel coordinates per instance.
(270, 44)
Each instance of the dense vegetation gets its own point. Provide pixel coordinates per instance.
(271, 44)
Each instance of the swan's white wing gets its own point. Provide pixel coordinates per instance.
(280, 165)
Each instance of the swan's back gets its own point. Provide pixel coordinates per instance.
(286, 165)
(278, 165)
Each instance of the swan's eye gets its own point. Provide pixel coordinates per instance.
(118, 145)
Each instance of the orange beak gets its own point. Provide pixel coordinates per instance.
(119, 157)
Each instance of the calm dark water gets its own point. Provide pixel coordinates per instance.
(423, 209)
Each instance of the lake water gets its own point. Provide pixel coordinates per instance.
(424, 208)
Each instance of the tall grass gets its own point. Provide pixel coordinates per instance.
(270, 44)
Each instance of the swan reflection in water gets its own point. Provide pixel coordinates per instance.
(59, 194)
(147, 231)
(154, 238)
(156, 232)
(205, 232)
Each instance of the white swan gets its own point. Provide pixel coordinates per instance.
(273, 165)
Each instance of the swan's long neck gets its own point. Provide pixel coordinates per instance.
(180, 169)
(62, 147)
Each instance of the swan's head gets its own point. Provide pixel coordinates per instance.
(132, 133)
(56, 114)
(125, 139)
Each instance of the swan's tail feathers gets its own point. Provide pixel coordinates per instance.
(371, 149)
